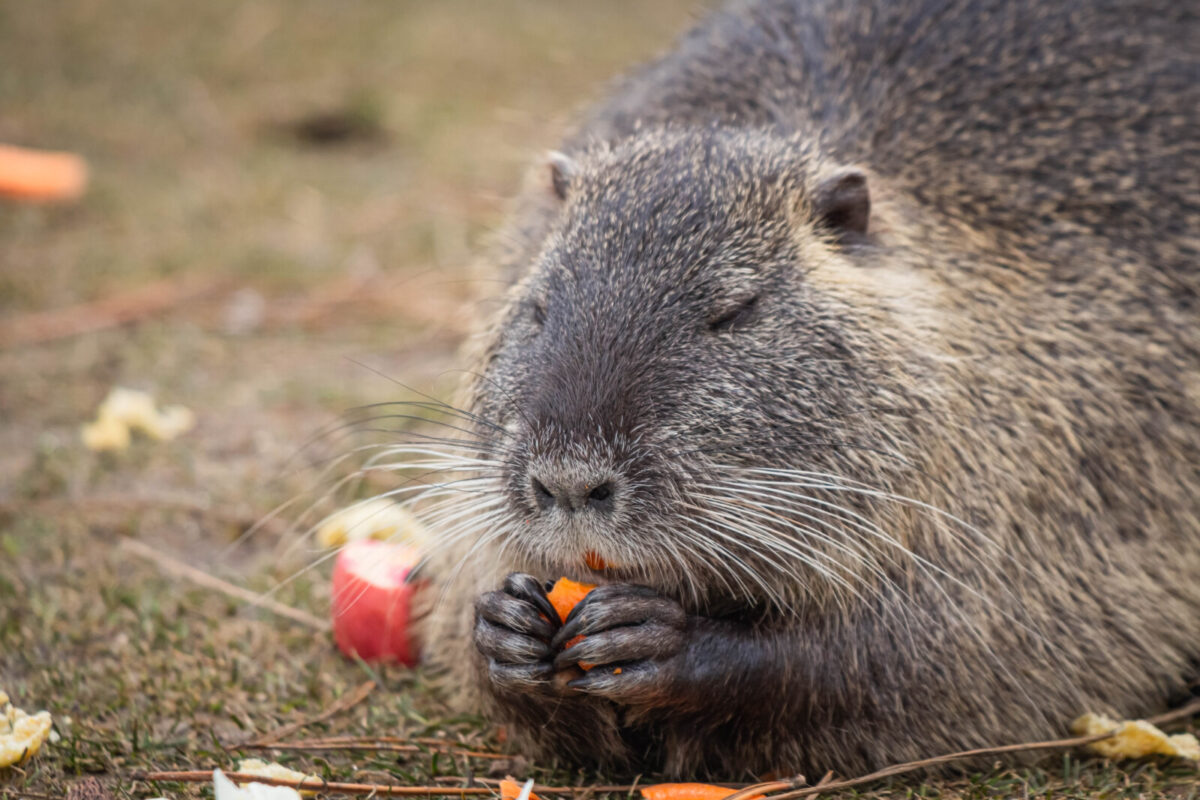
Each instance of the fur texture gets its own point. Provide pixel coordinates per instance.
(869, 496)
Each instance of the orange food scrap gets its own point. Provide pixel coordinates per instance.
(689, 791)
(564, 595)
(40, 175)
(511, 790)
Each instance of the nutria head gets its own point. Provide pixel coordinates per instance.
(669, 338)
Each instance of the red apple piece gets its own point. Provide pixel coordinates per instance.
(372, 604)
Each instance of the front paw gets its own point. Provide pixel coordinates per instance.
(632, 640)
(513, 629)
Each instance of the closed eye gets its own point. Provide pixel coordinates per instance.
(735, 315)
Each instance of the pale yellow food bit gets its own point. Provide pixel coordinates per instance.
(106, 433)
(126, 410)
(21, 734)
(225, 789)
(127, 405)
(377, 518)
(1134, 738)
(269, 769)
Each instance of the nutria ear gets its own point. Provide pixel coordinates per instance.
(562, 170)
(842, 203)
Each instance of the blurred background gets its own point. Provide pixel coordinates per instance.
(287, 207)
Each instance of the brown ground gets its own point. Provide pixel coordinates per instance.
(314, 276)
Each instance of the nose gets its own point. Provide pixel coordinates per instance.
(572, 494)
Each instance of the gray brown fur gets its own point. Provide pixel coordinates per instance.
(1015, 340)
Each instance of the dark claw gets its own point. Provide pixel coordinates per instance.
(641, 683)
(531, 590)
(516, 614)
(623, 645)
(618, 605)
(513, 628)
(520, 677)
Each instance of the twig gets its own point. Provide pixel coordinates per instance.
(201, 578)
(204, 776)
(434, 741)
(624, 787)
(759, 789)
(344, 703)
(1191, 709)
(109, 312)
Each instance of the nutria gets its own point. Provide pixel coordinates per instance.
(859, 340)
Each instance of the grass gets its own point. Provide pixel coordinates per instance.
(188, 115)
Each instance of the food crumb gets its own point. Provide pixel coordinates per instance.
(1134, 738)
(21, 734)
(270, 769)
(225, 789)
(128, 410)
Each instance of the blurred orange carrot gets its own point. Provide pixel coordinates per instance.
(41, 175)
(689, 791)
(511, 790)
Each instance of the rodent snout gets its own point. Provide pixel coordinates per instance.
(570, 491)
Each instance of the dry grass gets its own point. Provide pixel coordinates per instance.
(186, 114)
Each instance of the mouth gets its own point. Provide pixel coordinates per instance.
(593, 568)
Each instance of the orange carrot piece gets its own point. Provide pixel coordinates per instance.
(566, 594)
(39, 175)
(689, 791)
(510, 790)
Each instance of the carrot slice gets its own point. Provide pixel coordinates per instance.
(564, 595)
(511, 790)
(689, 791)
(40, 175)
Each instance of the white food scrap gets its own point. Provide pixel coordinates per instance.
(21, 734)
(270, 769)
(377, 518)
(1134, 738)
(127, 410)
(225, 789)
